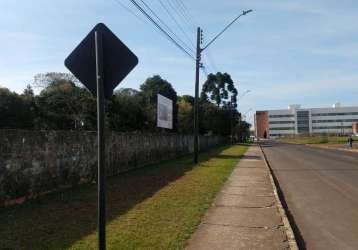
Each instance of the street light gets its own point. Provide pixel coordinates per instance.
(227, 26)
(243, 94)
(197, 62)
(247, 111)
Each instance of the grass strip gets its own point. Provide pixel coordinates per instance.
(156, 207)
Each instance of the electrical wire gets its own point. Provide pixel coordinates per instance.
(143, 20)
(202, 67)
(169, 37)
(176, 22)
(180, 15)
(211, 60)
(130, 10)
(187, 13)
(167, 27)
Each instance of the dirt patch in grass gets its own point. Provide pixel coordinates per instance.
(157, 207)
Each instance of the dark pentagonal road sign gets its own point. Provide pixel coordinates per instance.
(117, 62)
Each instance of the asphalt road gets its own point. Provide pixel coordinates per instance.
(320, 187)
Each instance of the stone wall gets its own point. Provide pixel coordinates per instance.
(33, 162)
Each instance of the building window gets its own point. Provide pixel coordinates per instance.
(341, 120)
(303, 121)
(283, 128)
(281, 116)
(335, 114)
(281, 122)
(332, 127)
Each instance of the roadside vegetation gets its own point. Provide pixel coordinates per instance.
(156, 207)
(64, 104)
(324, 139)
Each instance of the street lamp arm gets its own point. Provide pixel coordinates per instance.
(243, 94)
(227, 26)
(247, 111)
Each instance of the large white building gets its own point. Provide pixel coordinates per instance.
(297, 120)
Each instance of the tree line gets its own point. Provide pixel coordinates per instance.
(63, 104)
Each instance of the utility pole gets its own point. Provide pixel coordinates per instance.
(196, 102)
(199, 50)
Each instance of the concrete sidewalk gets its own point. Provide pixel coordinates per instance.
(245, 213)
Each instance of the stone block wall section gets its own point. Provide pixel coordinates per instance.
(34, 162)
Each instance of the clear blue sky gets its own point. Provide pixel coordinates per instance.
(285, 51)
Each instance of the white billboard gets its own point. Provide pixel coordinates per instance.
(164, 112)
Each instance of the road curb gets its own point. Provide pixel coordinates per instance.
(287, 224)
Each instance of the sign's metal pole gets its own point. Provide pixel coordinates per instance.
(101, 151)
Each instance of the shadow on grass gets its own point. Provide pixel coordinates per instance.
(58, 220)
(244, 157)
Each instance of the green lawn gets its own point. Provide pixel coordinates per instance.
(157, 207)
(315, 140)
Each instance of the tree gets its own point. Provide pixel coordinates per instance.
(188, 98)
(45, 80)
(28, 92)
(15, 111)
(242, 131)
(220, 89)
(185, 116)
(63, 105)
(125, 111)
(214, 119)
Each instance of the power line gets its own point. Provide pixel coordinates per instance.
(211, 60)
(168, 28)
(129, 10)
(180, 11)
(169, 37)
(186, 13)
(176, 22)
(204, 70)
(144, 21)
(180, 14)
(208, 64)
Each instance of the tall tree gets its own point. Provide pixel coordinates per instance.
(220, 89)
